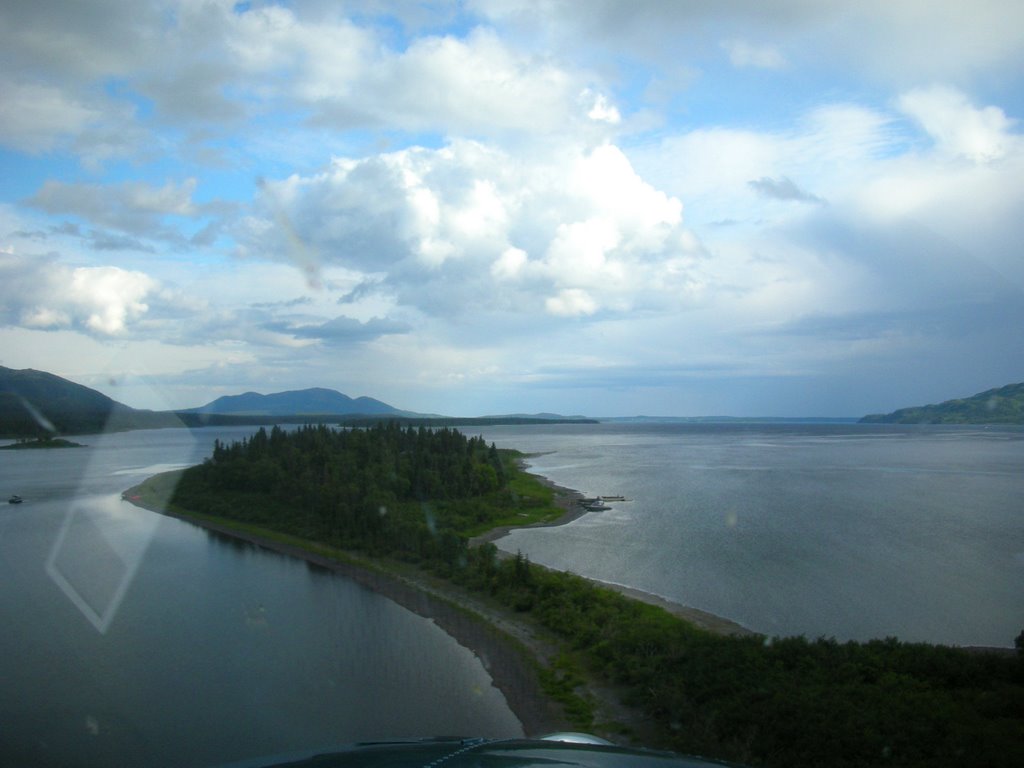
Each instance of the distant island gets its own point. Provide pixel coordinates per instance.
(41, 443)
(1004, 405)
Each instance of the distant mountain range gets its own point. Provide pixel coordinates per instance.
(314, 401)
(35, 403)
(1004, 405)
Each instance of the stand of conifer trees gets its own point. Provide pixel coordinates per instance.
(413, 493)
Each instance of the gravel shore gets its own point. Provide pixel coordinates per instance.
(568, 499)
(509, 647)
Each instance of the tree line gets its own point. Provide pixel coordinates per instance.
(415, 494)
(386, 489)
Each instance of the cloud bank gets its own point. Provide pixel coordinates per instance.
(658, 207)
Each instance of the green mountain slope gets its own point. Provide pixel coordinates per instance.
(1004, 405)
(38, 403)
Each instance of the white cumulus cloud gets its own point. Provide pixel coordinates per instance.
(42, 293)
(108, 297)
(956, 125)
(509, 264)
(441, 226)
(571, 302)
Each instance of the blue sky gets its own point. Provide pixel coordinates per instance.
(608, 208)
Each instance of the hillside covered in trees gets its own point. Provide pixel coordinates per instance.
(36, 403)
(417, 495)
(1004, 405)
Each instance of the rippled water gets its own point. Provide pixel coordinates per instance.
(129, 638)
(852, 531)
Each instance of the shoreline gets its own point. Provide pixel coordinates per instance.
(512, 651)
(509, 649)
(510, 664)
(567, 499)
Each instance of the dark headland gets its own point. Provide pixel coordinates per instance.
(1003, 405)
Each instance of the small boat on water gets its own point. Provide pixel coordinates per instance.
(15, 500)
(599, 503)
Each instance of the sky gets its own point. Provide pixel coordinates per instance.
(617, 207)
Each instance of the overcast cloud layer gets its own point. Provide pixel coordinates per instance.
(611, 208)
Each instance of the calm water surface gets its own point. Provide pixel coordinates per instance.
(134, 639)
(851, 531)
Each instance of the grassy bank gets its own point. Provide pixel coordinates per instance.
(789, 701)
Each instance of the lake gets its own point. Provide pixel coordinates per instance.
(135, 639)
(851, 531)
(131, 638)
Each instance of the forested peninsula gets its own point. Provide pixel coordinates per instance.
(401, 500)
